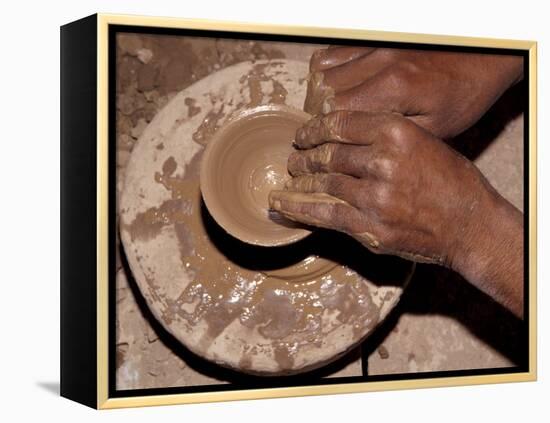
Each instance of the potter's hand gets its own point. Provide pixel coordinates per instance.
(443, 92)
(399, 190)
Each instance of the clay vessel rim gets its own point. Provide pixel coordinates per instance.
(208, 192)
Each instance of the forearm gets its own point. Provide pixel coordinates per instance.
(496, 74)
(485, 78)
(492, 254)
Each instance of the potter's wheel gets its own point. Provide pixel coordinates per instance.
(260, 310)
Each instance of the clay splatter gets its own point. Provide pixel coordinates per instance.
(284, 305)
(192, 108)
(254, 81)
(208, 126)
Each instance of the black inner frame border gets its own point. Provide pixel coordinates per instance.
(298, 380)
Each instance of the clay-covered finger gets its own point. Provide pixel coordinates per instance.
(330, 158)
(321, 210)
(335, 56)
(343, 126)
(355, 72)
(343, 187)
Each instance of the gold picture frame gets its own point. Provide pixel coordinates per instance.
(102, 399)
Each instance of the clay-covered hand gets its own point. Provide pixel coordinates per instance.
(444, 92)
(399, 190)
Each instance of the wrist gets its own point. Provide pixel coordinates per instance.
(490, 253)
(471, 249)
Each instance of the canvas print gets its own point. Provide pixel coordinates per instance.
(298, 213)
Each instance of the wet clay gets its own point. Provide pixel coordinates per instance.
(192, 107)
(245, 161)
(208, 127)
(319, 97)
(285, 304)
(254, 79)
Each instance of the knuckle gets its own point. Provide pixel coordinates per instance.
(386, 122)
(382, 197)
(397, 77)
(401, 133)
(408, 68)
(402, 79)
(385, 167)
